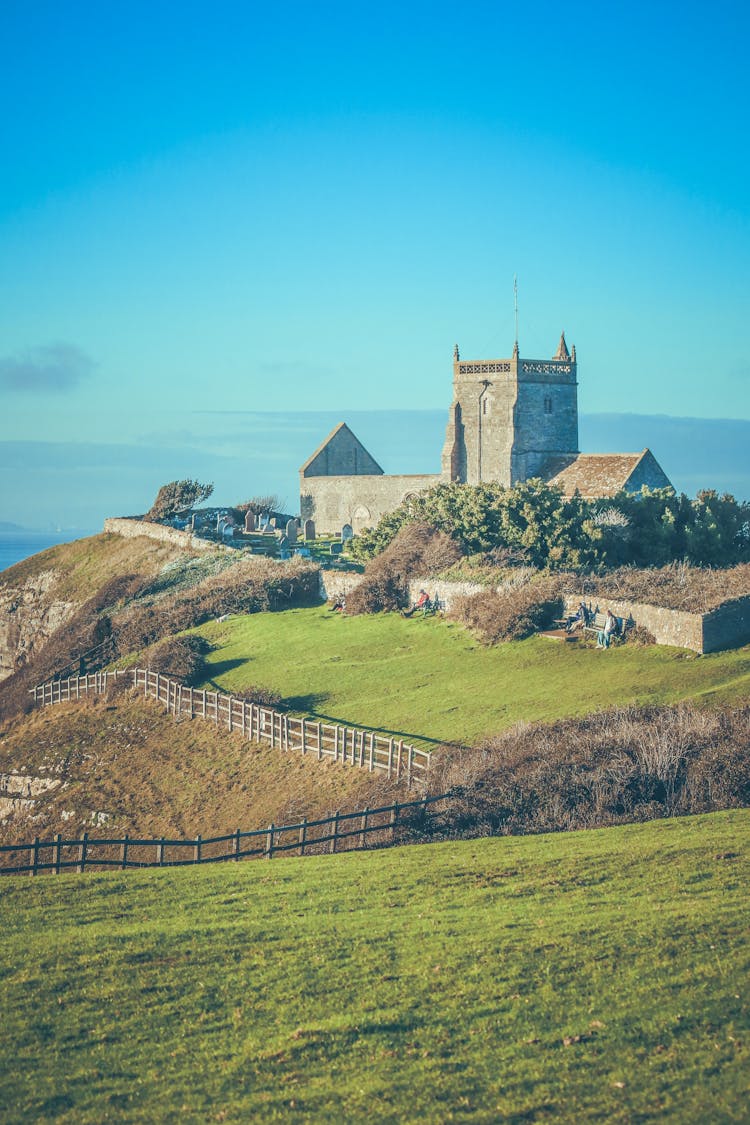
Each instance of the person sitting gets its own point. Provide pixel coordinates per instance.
(578, 619)
(610, 627)
(422, 602)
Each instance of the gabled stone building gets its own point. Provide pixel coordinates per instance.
(510, 420)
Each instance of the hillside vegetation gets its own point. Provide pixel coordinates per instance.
(83, 566)
(596, 976)
(429, 679)
(126, 766)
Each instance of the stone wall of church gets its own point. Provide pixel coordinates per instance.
(545, 421)
(357, 500)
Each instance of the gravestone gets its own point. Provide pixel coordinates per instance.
(347, 532)
(249, 521)
(309, 529)
(291, 531)
(335, 548)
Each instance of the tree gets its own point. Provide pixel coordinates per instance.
(259, 505)
(177, 498)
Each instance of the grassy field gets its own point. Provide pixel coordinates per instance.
(428, 678)
(594, 976)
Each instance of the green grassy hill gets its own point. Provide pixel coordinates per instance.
(587, 977)
(428, 678)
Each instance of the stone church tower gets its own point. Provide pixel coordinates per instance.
(510, 418)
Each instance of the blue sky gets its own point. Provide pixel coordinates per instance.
(246, 208)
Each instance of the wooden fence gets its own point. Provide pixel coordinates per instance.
(352, 830)
(353, 746)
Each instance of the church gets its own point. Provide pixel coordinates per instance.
(510, 420)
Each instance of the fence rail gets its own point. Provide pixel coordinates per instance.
(355, 746)
(325, 835)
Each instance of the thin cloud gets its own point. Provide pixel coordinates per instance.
(57, 368)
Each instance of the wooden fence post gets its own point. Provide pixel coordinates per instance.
(394, 821)
(197, 849)
(390, 756)
(124, 853)
(320, 741)
(372, 752)
(34, 856)
(304, 736)
(82, 854)
(409, 764)
(160, 852)
(236, 845)
(398, 758)
(335, 834)
(269, 842)
(302, 836)
(363, 829)
(58, 853)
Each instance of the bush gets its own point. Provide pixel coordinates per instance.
(625, 765)
(263, 696)
(418, 550)
(177, 498)
(180, 658)
(513, 612)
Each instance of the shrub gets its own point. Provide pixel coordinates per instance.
(418, 550)
(512, 612)
(248, 587)
(263, 696)
(180, 658)
(177, 498)
(629, 764)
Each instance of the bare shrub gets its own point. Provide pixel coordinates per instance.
(630, 764)
(263, 696)
(180, 658)
(514, 611)
(417, 550)
(676, 586)
(639, 635)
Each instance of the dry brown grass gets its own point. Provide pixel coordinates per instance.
(152, 775)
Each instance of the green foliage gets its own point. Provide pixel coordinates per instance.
(584, 977)
(534, 523)
(177, 498)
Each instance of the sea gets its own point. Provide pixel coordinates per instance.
(15, 546)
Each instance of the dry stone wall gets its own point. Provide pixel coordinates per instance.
(133, 528)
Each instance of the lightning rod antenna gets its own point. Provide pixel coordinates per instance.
(515, 304)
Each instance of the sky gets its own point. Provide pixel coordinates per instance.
(210, 212)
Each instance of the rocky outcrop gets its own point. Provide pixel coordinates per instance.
(29, 614)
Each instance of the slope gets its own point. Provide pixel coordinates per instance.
(593, 976)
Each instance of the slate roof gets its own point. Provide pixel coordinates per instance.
(595, 474)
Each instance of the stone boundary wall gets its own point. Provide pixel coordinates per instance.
(728, 626)
(722, 628)
(669, 626)
(132, 528)
(336, 584)
(445, 591)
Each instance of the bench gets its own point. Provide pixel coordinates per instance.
(596, 625)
